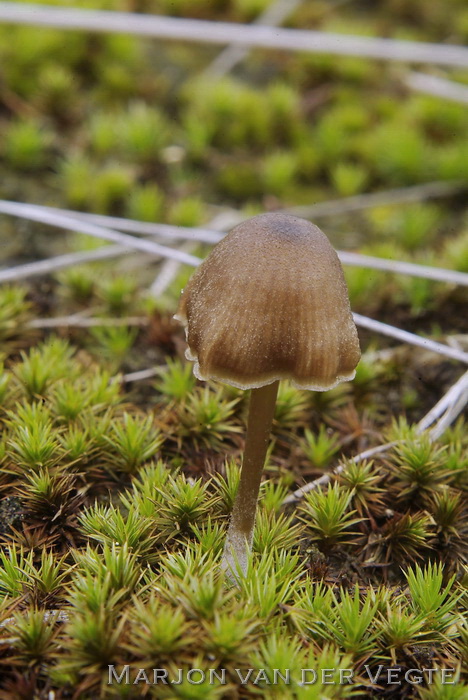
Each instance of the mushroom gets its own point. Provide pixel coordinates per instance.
(269, 302)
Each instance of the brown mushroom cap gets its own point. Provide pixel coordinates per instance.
(270, 302)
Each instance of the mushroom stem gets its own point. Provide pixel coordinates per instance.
(240, 532)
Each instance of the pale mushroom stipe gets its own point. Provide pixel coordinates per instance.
(270, 302)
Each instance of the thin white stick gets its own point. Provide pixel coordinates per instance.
(449, 416)
(170, 268)
(59, 262)
(439, 87)
(80, 322)
(30, 211)
(325, 478)
(63, 221)
(168, 272)
(450, 405)
(222, 64)
(411, 338)
(401, 267)
(231, 33)
(140, 375)
(330, 208)
(334, 207)
(458, 340)
(357, 202)
(168, 231)
(230, 218)
(273, 16)
(450, 398)
(45, 267)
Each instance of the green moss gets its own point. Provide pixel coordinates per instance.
(187, 211)
(26, 144)
(348, 179)
(146, 203)
(110, 187)
(115, 495)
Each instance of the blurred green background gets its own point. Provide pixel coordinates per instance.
(136, 127)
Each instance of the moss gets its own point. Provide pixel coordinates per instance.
(116, 494)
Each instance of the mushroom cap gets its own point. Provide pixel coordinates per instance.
(270, 302)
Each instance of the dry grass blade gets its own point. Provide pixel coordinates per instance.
(168, 231)
(60, 262)
(416, 193)
(273, 16)
(78, 321)
(449, 407)
(439, 87)
(222, 64)
(55, 615)
(230, 217)
(451, 398)
(401, 267)
(325, 478)
(30, 211)
(411, 338)
(450, 416)
(447, 410)
(140, 375)
(232, 33)
(168, 272)
(96, 225)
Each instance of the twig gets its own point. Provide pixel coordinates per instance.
(222, 64)
(140, 375)
(334, 207)
(432, 85)
(229, 218)
(458, 340)
(45, 267)
(450, 416)
(169, 231)
(169, 269)
(456, 393)
(80, 322)
(34, 213)
(273, 16)
(378, 199)
(168, 272)
(231, 33)
(411, 338)
(449, 407)
(63, 221)
(401, 267)
(325, 478)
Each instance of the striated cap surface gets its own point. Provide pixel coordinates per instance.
(270, 302)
